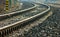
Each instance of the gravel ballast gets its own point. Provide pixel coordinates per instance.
(49, 28)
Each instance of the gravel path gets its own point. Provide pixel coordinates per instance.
(49, 28)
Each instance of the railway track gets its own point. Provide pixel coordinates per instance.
(8, 14)
(22, 32)
(30, 15)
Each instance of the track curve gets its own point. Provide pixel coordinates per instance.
(16, 12)
(7, 29)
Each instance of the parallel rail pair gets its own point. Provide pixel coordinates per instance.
(7, 29)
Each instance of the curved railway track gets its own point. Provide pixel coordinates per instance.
(4, 30)
(3, 16)
(21, 32)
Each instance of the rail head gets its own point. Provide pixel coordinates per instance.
(25, 20)
(17, 12)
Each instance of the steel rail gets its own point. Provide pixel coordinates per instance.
(6, 29)
(17, 12)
